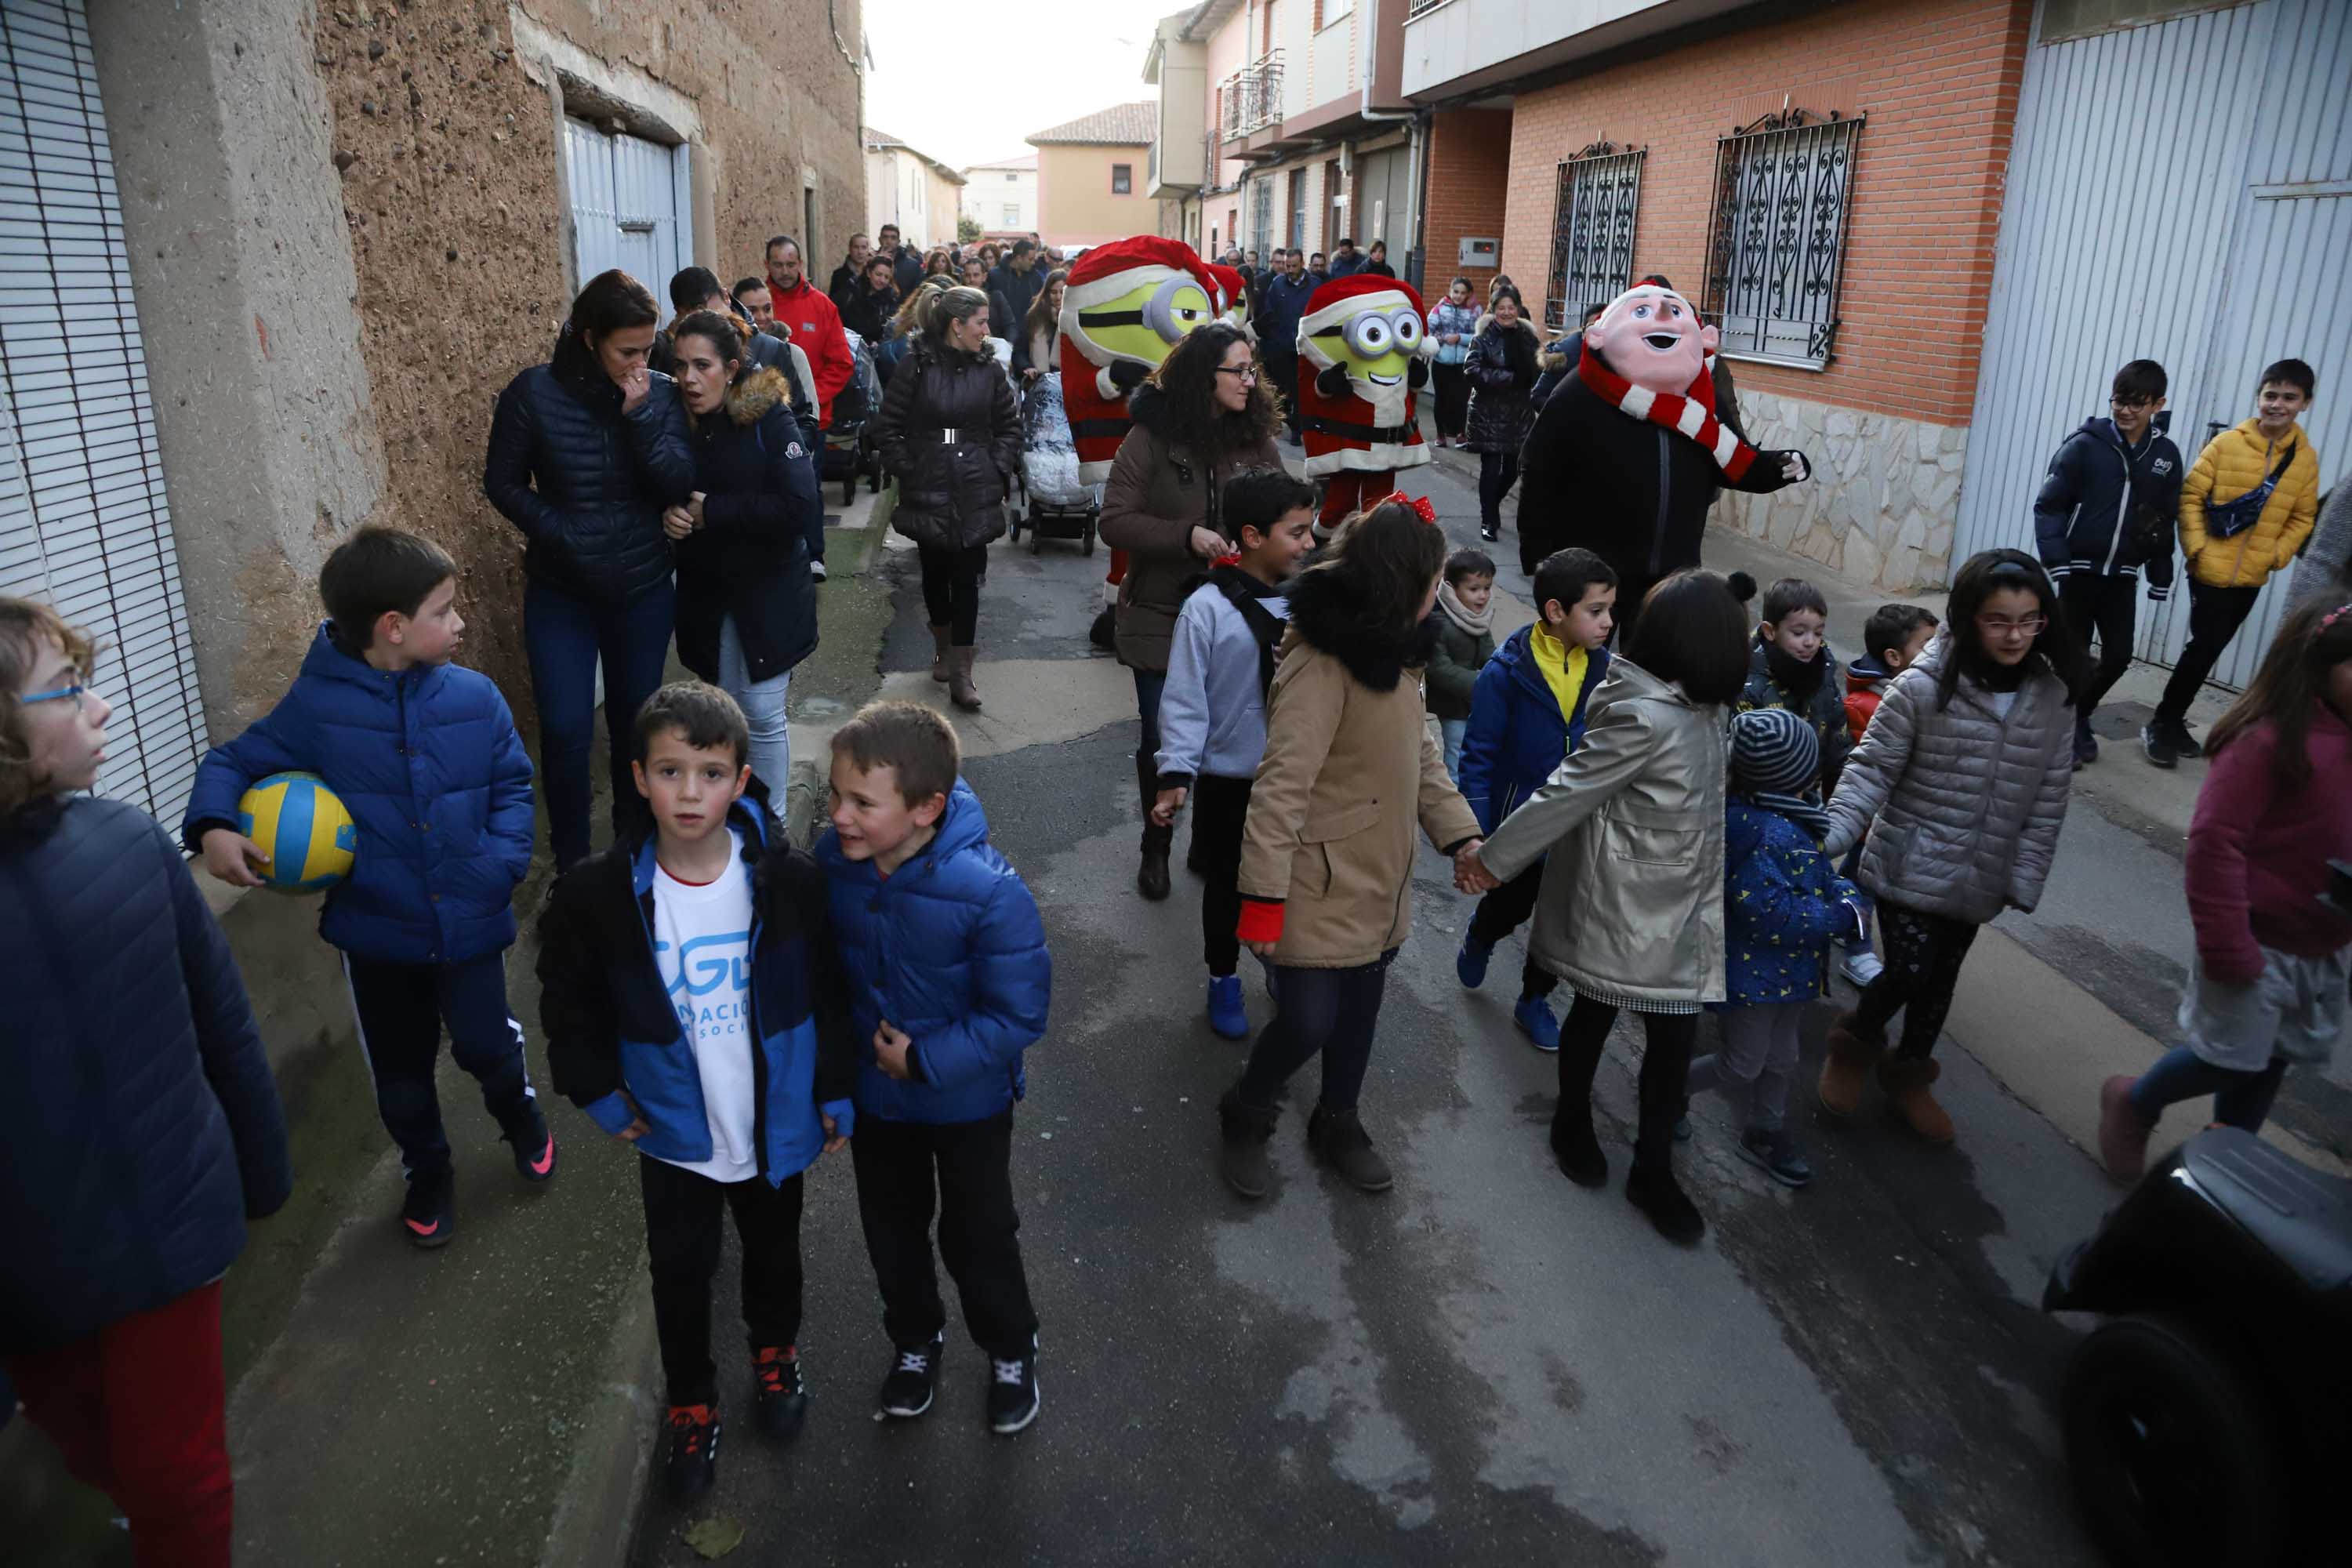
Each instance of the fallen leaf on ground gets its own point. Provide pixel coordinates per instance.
(715, 1537)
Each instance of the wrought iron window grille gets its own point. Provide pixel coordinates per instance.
(1777, 236)
(1593, 214)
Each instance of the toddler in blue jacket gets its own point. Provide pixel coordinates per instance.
(425, 756)
(1526, 714)
(1784, 905)
(949, 981)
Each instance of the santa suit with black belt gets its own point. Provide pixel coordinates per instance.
(1358, 431)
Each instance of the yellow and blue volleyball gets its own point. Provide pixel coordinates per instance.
(305, 829)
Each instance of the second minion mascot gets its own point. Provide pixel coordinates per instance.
(1367, 340)
(1124, 306)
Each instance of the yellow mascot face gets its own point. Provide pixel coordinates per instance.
(1148, 320)
(1375, 343)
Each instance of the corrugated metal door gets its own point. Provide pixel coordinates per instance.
(83, 522)
(1384, 198)
(630, 207)
(2143, 212)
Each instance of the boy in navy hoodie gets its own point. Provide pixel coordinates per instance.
(949, 981)
(423, 755)
(695, 1006)
(2107, 512)
(1527, 713)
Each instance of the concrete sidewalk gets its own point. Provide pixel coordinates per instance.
(494, 1402)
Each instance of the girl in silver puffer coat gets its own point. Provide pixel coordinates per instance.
(1960, 784)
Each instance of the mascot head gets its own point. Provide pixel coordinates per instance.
(1653, 338)
(1133, 300)
(1373, 327)
(1233, 293)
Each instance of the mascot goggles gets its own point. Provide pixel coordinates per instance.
(1373, 334)
(1161, 313)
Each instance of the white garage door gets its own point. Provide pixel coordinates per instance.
(83, 523)
(631, 207)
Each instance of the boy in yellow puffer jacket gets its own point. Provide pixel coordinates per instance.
(2246, 510)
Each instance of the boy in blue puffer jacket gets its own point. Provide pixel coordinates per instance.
(1527, 713)
(1784, 905)
(949, 981)
(424, 757)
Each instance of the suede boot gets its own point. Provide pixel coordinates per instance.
(960, 690)
(1852, 1054)
(1152, 876)
(2123, 1132)
(1906, 1080)
(1337, 1139)
(1242, 1131)
(941, 651)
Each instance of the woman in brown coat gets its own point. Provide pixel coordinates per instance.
(1206, 414)
(1327, 854)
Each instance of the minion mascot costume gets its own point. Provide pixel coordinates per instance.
(1124, 306)
(1367, 341)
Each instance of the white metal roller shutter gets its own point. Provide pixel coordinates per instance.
(83, 520)
(630, 205)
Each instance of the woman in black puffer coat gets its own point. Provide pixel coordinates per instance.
(950, 436)
(1502, 370)
(586, 451)
(746, 604)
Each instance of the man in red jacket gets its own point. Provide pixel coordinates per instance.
(813, 320)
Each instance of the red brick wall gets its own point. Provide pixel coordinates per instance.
(1939, 79)
(1469, 180)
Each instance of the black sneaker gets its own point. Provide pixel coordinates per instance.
(1012, 1391)
(777, 1400)
(533, 1145)
(2156, 739)
(2183, 742)
(1775, 1153)
(1656, 1193)
(906, 1392)
(692, 1463)
(429, 1214)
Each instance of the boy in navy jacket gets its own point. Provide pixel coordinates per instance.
(425, 756)
(949, 982)
(2106, 510)
(695, 1006)
(1527, 713)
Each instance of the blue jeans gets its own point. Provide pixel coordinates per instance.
(1149, 685)
(1451, 732)
(762, 702)
(2240, 1099)
(1330, 1012)
(564, 637)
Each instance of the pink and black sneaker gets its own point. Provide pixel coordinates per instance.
(429, 1216)
(533, 1145)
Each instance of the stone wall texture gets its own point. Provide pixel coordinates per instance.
(1883, 499)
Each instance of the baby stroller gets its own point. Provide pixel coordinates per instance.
(1053, 504)
(849, 452)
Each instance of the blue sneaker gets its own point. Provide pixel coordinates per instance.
(1533, 1016)
(1470, 964)
(1227, 1017)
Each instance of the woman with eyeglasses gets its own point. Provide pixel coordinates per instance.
(1961, 783)
(1204, 415)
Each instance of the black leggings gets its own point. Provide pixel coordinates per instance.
(1452, 397)
(952, 589)
(1220, 811)
(2214, 616)
(1665, 1072)
(1924, 955)
(1497, 472)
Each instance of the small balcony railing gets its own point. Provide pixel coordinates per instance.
(1251, 98)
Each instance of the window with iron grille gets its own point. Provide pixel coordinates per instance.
(1776, 241)
(1592, 231)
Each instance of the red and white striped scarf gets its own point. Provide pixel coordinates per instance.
(1692, 414)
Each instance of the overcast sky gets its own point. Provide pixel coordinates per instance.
(964, 84)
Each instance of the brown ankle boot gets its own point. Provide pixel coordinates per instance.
(941, 653)
(1847, 1068)
(1906, 1080)
(960, 690)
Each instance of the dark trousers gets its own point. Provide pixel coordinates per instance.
(2103, 607)
(1631, 591)
(1497, 472)
(1500, 912)
(1924, 955)
(966, 1168)
(565, 639)
(684, 1218)
(138, 1412)
(1282, 369)
(1333, 1012)
(951, 590)
(2214, 616)
(401, 1008)
(1149, 685)
(1667, 1039)
(1453, 382)
(1220, 810)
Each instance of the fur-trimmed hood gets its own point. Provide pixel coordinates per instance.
(754, 393)
(1487, 319)
(1323, 614)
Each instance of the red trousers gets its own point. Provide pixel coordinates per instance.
(138, 1411)
(1351, 491)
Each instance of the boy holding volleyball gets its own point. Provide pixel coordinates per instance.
(695, 1008)
(424, 756)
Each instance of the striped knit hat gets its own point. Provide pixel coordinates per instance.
(1773, 751)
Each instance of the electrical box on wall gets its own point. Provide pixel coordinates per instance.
(1478, 252)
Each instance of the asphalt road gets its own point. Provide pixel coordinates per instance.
(1485, 1365)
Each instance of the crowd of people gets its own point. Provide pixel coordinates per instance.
(1694, 810)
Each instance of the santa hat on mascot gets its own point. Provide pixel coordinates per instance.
(1231, 297)
(1095, 381)
(1351, 422)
